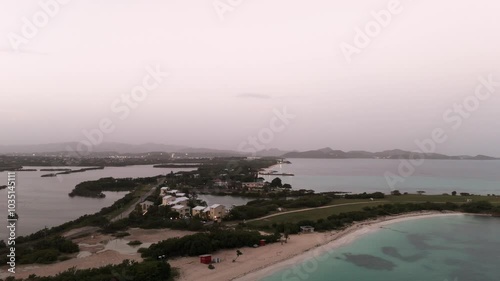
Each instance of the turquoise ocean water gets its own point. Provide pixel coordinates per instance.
(451, 248)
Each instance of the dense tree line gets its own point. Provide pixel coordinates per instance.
(259, 208)
(206, 243)
(364, 195)
(342, 220)
(127, 270)
(231, 169)
(44, 251)
(156, 217)
(95, 188)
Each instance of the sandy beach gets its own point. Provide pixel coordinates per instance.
(332, 241)
(254, 264)
(94, 252)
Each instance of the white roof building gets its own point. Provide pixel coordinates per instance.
(167, 199)
(182, 210)
(179, 201)
(164, 190)
(199, 208)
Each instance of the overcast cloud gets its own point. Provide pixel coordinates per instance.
(227, 76)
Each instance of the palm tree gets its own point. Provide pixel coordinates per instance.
(238, 253)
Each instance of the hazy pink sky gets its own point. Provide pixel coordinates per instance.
(227, 76)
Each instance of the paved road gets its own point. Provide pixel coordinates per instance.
(308, 209)
(127, 212)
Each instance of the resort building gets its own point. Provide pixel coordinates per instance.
(183, 211)
(166, 200)
(306, 229)
(220, 183)
(145, 205)
(179, 201)
(216, 211)
(164, 191)
(199, 211)
(252, 185)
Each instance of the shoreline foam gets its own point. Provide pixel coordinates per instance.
(340, 238)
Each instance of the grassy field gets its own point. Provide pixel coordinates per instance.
(441, 198)
(336, 207)
(313, 214)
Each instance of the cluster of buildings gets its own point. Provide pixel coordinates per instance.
(258, 184)
(179, 202)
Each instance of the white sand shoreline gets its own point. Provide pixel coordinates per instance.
(340, 238)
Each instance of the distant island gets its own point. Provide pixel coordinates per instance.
(13, 157)
(69, 171)
(328, 153)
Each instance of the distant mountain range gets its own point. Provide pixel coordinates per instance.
(328, 153)
(110, 148)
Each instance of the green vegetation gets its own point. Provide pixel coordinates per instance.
(156, 217)
(121, 234)
(134, 243)
(95, 188)
(259, 208)
(316, 213)
(276, 182)
(127, 270)
(234, 170)
(339, 220)
(69, 171)
(44, 251)
(238, 254)
(342, 205)
(47, 245)
(206, 243)
(375, 195)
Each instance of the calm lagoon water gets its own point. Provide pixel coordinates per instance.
(360, 175)
(45, 202)
(449, 248)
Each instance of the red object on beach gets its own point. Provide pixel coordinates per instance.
(206, 259)
(262, 242)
